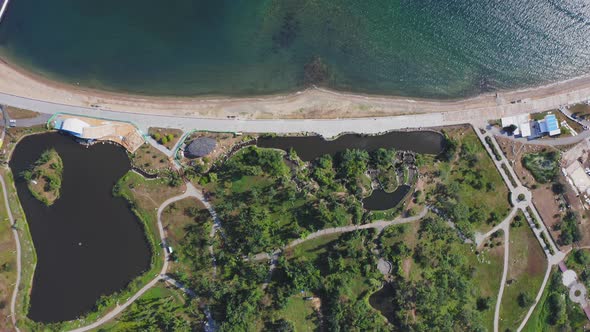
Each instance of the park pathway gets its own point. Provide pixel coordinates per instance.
(18, 255)
(191, 191)
(378, 225)
(554, 255)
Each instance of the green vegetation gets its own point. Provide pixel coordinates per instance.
(509, 175)
(438, 282)
(532, 215)
(165, 136)
(337, 275)
(188, 224)
(7, 265)
(45, 176)
(493, 148)
(159, 309)
(466, 186)
(570, 231)
(265, 204)
(543, 165)
(579, 261)
(555, 311)
(526, 270)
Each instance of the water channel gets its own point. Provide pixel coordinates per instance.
(88, 243)
(309, 148)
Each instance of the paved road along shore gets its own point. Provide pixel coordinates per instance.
(263, 114)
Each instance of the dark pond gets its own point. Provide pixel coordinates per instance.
(88, 243)
(381, 300)
(311, 147)
(381, 200)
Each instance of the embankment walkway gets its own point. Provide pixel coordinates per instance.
(314, 110)
(18, 255)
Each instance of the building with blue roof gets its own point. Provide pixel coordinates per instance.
(549, 125)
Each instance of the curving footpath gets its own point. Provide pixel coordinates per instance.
(18, 255)
(191, 191)
(378, 225)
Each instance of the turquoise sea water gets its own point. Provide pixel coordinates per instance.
(420, 48)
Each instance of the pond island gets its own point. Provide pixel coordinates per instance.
(45, 176)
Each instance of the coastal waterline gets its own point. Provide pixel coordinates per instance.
(429, 48)
(88, 243)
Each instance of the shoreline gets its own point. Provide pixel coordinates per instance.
(311, 103)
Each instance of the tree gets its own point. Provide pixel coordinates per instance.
(582, 257)
(353, 163)
(483, 303)
(525, 300)
(557, 309)
(382, 158)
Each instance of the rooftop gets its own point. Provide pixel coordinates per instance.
(200, 147)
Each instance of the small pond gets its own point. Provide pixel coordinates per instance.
(88, 243)
(381, 200)
(311, 147)
(381, 300)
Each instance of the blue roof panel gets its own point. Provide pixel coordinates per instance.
(551, 122)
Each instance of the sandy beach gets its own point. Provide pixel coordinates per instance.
(313, 103)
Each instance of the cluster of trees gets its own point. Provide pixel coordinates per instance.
(283, 203)
(163, 139)
(48, 169)
(160, 314)
(444, 299)
(463, 176)
(558, 311)
(570, 232)
(334, 276)
(543, 165)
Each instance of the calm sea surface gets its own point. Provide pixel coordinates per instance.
(422, 48)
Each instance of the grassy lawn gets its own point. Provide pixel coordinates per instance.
(468, 186)
(7, 265)
(301, 313)
(543, 165)
(526, 270)
(312, 249)
(187, 224)
(486, 264)
(555, 312)
(581, 110)
(28, 254)
(487, 274)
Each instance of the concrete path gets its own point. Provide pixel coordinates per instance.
(525, 205)
(191, 191)
(18, 255)
(378, 225)
(479, 237)
(506, 228)
(537, 298)
(161, 276)
(403, 113)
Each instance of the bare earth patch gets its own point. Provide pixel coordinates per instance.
(19, 113)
